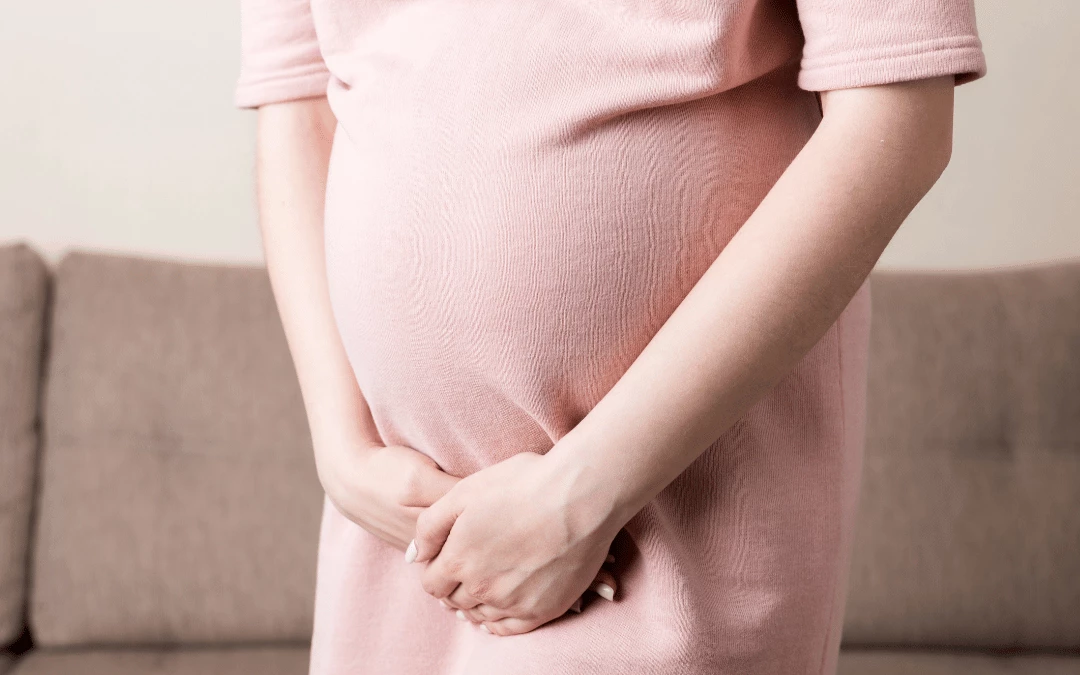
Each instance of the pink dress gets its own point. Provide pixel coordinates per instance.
(520, 193)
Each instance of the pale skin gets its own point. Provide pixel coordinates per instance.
(767, 299)
(381, 488)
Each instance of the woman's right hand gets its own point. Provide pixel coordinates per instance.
(381, 488)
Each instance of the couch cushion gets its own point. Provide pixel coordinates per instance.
(931, 663)
(23, 295)
(236, 661)
(969, 523)
(180, 499)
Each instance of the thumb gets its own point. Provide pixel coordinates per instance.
(435, 484)
(433, 526)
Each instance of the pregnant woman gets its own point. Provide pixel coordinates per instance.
(568, 281)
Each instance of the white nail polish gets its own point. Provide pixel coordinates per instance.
(443, 603)
(461, 615)
(410, 553)
(605, 591)
(484, 628)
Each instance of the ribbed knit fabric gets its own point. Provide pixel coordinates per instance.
(520, 194)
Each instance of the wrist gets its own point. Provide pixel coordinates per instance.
(596, 493)
(339, 454)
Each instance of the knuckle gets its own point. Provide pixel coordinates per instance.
(519, 606)
(452, 566)
(484, 592)
(429, 582)
(536, 614)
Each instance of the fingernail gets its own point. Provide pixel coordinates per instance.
(461, 615)
(610, 558)
(410, 553)
(484, 628)
(443, 603)
(605, 591)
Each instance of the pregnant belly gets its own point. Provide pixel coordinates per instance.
(490, 288)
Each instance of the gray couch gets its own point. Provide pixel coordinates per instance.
(159, 506)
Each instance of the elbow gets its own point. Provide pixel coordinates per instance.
(940, 154)
(908, 124)
(934, 160)
(934, 124)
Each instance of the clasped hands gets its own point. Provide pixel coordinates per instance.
(516, 544)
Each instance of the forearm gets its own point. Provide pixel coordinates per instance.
(769, 297)
(292, 156)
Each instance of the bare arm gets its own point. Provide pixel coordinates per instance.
(380, 488)
(782, 280)
(775, 289)
(292, 155)
(770, 295)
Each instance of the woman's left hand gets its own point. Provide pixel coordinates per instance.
(516, 543)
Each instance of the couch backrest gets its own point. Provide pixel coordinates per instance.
(969, 523)
(180, 503)
(179, 500)
(23, 298)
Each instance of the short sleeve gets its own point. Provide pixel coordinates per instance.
(279, 53)
(857, 43)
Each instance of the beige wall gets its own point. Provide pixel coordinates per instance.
(1012, 191)
(118, 132)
